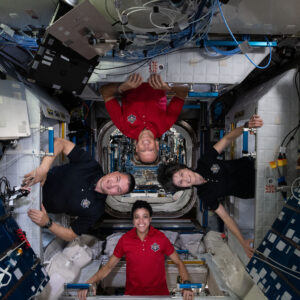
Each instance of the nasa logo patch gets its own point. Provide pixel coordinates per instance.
(131, 119)
(155, 247)
(215, 168)
(85, 203)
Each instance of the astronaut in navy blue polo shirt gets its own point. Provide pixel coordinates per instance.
(78, 188)
(215, 178)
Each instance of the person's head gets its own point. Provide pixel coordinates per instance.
(116, 183)
(146, 147)
(141, 214)
(174, 177)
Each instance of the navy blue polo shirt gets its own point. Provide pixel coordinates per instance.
(70, 189)
(224, 178)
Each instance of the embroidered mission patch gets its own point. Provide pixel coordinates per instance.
(85, 203)
(215, 168)
(155, 247)
(131, 118)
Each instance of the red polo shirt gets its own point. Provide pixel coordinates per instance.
(144, 107)
(145, 262)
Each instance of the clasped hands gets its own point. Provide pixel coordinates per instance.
(135, 80)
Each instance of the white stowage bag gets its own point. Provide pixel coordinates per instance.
(111, 243)
(193, 243)
(78, 253)
(229, 265)
(64, 267)
(173, 238)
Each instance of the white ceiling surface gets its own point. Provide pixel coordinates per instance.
(260, 17)
(243, 16)
(20, 13)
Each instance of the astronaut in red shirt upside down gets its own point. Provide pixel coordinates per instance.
(144, 114)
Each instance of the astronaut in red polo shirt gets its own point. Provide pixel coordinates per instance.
(144, 248)
(144, 114)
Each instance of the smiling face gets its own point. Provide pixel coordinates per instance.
(186, 178)
(141, 221)
(115, 183)
(147, 147)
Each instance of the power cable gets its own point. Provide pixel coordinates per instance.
(233, 37)
(296, 83)
(272, 265)
(296, 128)
(107, 11)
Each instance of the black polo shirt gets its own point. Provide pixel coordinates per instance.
(225, 177)
(70, 189)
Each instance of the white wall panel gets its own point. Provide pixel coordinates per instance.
(277, 103)
(184, 67)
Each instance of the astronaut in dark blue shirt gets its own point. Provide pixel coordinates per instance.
(78, 188)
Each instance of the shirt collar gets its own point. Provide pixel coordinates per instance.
(150, 233)
(95, 180)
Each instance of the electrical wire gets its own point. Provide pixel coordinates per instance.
(283, 266)
(272, 265)
(295, 128)
(292, 137)
(107, 11)
(230, 32)
(143, 59)
(198, 27)
(296, 84)
(11, 251)
(160, 27)
(119, 67)
(129, 72)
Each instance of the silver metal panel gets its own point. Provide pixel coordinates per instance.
(74, 29)
(21, 13)
(14, 121)
(243, 16)
(259, 17)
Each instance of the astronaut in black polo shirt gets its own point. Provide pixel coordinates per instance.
(78, 188)
(216, 178)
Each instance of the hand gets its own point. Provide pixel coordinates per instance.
(247, 247)
(134, 81)
(157, 83)
(82, 293)
(108, 91)
(255, 122)
(39, 217)
(37, 175)
(187, 294)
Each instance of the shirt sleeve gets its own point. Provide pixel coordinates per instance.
(211, 154)
(79, 155)
(119, 251)
(211, 203)
(173, 110)
(82, 224)
(168, 247)
(115, 112)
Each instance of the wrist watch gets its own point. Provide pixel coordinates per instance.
(187, 282)
(48, 224)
